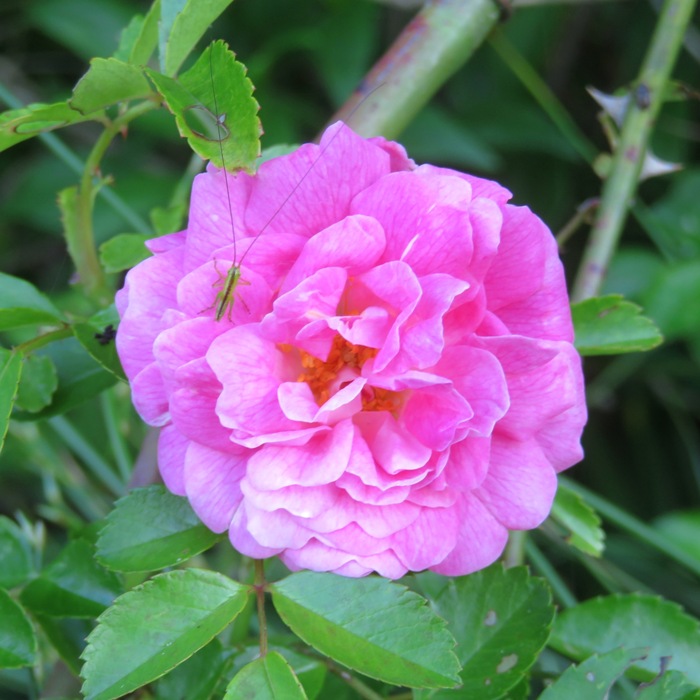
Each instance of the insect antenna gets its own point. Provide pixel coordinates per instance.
(306, 174)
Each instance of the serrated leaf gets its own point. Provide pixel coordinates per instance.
(17, 638)
(593, 679)
(610, 325)
(371, 625)
(38, 383)
(219, 117)
(15, 555)
(501, 620)
(17, 125)
(139, 38)
(124, 251)
(98, 341)
(73, 585)
(156, 626)
(10, 372)
(582, 522)
(107, 82)
(671, 685)
(196, 678)
(150, 529)
(22, 304)
(183, 24)
(80, 378)
(266, 678)
(602, 624)
(312, 672)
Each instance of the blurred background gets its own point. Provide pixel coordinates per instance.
(643, 439)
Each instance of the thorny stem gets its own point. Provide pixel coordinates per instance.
(542, 565)
(442, 36)
(543, 94)
(619, 188)
(80, 239)
(259, 586)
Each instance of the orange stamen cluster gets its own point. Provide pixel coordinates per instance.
(320, 375)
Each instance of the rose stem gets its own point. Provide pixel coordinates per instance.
(65, 154)
(620, 186)
(259, 586)
(441, 37)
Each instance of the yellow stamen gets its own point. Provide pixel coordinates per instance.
(320, 375)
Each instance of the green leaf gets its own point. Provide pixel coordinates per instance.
(98, 338)
(602, 624)
(22, 304)
(183, 24)
(140, 37)
(150, 529)
(15, 555)
(17, 638)
(196, 678)
(610, 325)
(79, 378)
(371, 625)
(593, 679)
(156, 626)
(672, 685)
(216, 116)
(73, 585)
(168, 219)
(124, 251)
(501, 620)
(312, 672)
(17, 125)
(10, 372)
(107, 82)
(38, 383)
(266, 678)
(582, 522)
(683, 529)
(67, 637)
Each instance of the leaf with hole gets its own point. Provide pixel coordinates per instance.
(218, 117)
(501, 619)
(602, 624)
(593, 679)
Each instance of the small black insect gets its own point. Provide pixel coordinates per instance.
(642, 96)
(107, 335)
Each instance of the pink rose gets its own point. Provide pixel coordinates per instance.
(396, 386)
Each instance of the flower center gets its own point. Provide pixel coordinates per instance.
(321, 376)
